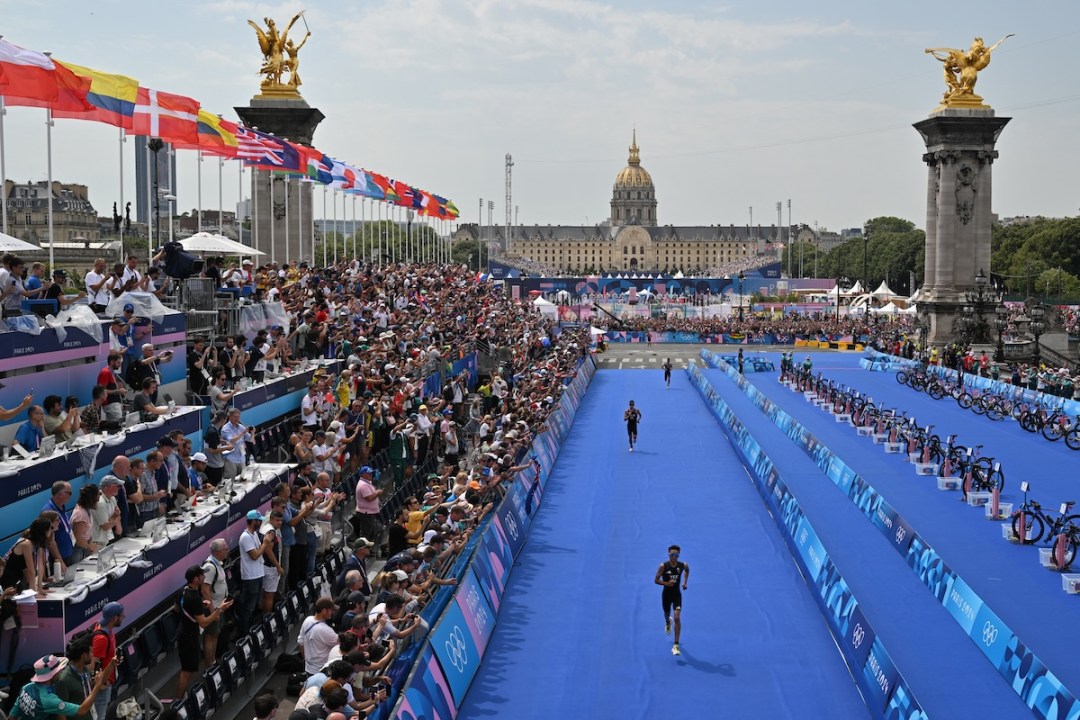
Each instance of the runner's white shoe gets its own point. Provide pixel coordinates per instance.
(675, 649)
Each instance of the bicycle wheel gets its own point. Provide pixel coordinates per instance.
(993, 478)
(901, 377)
(978, 405)
(994, 411)
(1027, 421)
(1072, 438)
(1052, 430)
(1035, 528)
(965, 400)
(935, 391)
(1070, 553)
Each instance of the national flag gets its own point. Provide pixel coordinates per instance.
(436, 206)
(404, 193)
(343, 175)
(216, 136)
(112, 97)
(317, 165)
(387, 186)
(28, 77)
(365, 185)
(249, 146)
(278, 153)
(173, 118)
(451, 210)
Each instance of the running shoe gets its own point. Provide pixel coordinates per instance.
(667, 626)
(675, 649)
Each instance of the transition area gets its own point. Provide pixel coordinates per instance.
(581, 630)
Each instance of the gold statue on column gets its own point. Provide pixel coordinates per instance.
(280, 56)
(962, 71)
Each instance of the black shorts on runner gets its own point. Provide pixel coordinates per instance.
(671, 597)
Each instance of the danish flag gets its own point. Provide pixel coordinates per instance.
(173, 118)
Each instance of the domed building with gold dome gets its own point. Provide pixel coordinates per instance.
(633, 240)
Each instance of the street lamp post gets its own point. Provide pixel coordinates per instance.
(1000, 322)
(838, 282)
(980, 297)
(1038, 326)
(742, 276)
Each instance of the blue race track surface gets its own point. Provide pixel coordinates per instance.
(580, 633)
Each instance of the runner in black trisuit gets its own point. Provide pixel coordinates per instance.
(669, 575)
(667, 372)
(632, 416)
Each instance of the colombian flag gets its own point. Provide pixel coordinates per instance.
(216, 136)
(112, 97)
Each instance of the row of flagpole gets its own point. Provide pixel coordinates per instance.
(422, 249)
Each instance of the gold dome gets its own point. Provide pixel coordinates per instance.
(633, 175)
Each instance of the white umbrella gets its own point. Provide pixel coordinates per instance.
(9, 242)
(205, 242)
(596, 331)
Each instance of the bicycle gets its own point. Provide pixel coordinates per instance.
(1072, 542)
(1030, 523)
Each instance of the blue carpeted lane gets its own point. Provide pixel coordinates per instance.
(929, 649)
(1008, 577)
(581, 629)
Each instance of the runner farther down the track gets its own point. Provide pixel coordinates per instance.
(632, 416)
(667, 372)
(669, 575)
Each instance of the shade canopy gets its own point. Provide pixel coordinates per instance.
(883, 292)
(10, 243)
(205, 242)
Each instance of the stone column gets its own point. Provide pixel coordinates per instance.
(960, 150)
(294, 120)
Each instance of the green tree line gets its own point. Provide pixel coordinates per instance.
(1039, 259)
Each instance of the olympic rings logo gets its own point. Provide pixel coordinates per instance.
(857, 636)
(901, 533)
(455, 648)
(989, 633)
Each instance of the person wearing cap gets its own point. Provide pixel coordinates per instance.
(103, 649)
(357, 560)
(169, 473)
(197, 479)
(38, 700)
(104, 516)
(55, 291)
(252, 569)
(196, 613)
(316, 637)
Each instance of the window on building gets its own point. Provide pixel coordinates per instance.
(625, 250)
(29, 221)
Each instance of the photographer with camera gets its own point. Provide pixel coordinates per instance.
(147, 365)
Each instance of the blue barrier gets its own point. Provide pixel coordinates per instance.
(457, 643)
(886, 691)
(1036, 685)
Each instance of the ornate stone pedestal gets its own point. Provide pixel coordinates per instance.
(281, 210)
(960, 155)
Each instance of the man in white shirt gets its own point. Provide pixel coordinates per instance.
(96, 292)
(132, 278)
(309, 407)
(316, 637)
(106, 514)
(252, 568)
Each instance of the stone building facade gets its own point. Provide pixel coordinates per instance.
(633, 240)
(74, 218)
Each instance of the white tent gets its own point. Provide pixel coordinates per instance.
(596, 331)
(9, 243)
(856, 289)
(909, 310)
(883, 292)
(834, 292)
(916, 296)
(205, 242)
(546, 307)
(889, 309)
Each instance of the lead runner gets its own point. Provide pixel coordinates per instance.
(632, 416)
(668, 575)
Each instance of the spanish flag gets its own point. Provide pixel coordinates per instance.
(111, 97)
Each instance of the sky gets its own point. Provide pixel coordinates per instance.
(736, 106)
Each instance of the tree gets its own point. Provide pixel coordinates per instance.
(466, 252)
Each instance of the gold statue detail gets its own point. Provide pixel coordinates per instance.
(280, 56)
(962, 71)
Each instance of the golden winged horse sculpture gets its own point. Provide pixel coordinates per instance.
(279, 56)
